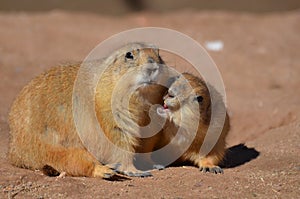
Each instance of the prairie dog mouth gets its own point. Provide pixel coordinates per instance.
(162, 111)
(165, 106)
(145, 84)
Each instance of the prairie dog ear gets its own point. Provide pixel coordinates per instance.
(162, 112)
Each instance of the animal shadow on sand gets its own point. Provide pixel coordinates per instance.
(235, 156)
(238, 155)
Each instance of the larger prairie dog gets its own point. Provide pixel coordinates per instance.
(43, 133)
(188, 103)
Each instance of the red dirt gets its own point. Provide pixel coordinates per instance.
(260, 67)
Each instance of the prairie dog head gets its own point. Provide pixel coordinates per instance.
(132, 79)
(187, 99)
(139, 64)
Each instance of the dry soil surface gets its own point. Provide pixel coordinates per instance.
(260, 65)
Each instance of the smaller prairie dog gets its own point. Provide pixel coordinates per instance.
(42, 127)
(186, 95)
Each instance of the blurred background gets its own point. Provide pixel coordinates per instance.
(120, 7)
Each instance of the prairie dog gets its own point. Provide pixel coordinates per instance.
(181, 109)
(43, 133)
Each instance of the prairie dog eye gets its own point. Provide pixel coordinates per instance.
(129, 55)
(199, 98)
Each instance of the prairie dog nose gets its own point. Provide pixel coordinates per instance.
(151, 67)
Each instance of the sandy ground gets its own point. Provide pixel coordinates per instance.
(260, 65)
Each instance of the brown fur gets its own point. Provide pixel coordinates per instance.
(182, 112)
(43, 133)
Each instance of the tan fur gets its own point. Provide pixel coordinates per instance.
(43, 133)
(182, 110)
(122, 135)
